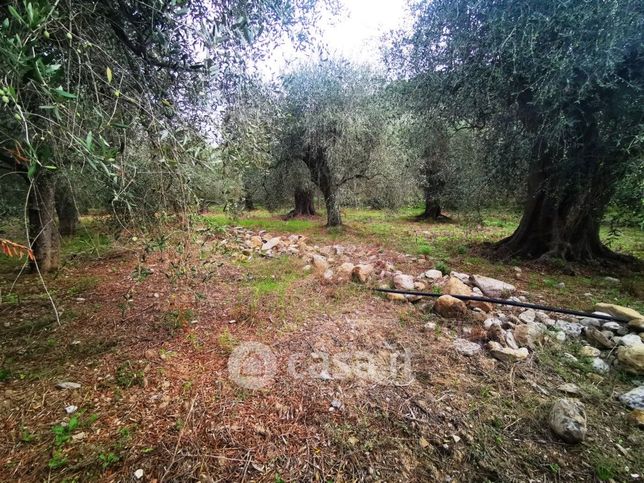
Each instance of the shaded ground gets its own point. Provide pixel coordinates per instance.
(147, 327)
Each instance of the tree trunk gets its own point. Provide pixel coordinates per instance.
(67, 212)
(304, 205)
(566, 202)
(432, 208)
(552, 227)
(43, 232)
(248, 203)
(333, 217)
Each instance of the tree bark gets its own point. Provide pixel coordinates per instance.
(248, 203)
(66, 210)
(432, 208)
(566, 201)
(43, 232)
(304, 204)
(333, 217)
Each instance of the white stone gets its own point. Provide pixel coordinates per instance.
(492, 321)
(527, 316)
(571, 329)
(433, 274)
(68, 385)
(465, 347)
(600, 366)
(630, 340)
(138, 474)
(614, 326)
(634, 398)
(492, 287)
(568, 420)
(403, 281)
(270, 244)
(589, 351)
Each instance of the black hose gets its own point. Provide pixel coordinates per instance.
(505, 302)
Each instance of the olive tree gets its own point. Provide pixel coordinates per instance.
(331, 122)
(565, 79)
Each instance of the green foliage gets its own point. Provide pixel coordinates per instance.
(63, 432)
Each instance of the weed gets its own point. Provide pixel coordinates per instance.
(108, 459)
(442, 266)
(227, 341)
(127, 376)
(10, 299)
(5, 374)
(140, 273)
(26, 436)
(57, 460)
(63, 432)
(177, 319)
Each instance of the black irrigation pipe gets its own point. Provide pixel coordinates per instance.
(505, 302)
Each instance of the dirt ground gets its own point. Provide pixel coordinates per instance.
(359, 389)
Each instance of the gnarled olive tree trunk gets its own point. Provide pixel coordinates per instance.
(316, 161)
(566, 201)
(432, 207)
(304, 203)
(43, 230)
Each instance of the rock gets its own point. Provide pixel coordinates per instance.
(79, 436)
(598, 339)
(569, 388)
(320, 263)
(138, 474)
(630, 340)
(307, 268)
(396, 297)
(632, 358)
(71, 409)
(637, 324)
(507, 354)
(600, 366)
(619, 311)
(450, 307)
(571, 329)
(256, 241)
(429, 326)
(455, 287)
(346, 269)
(612, 280)
(559, 336)
(492, 287)
(528, 335)
(328, 275)
(68, 385)
(568, 420)
(589, 351)
(569, 357)
(614, 326)
(336, 404)
(510, 340)
(497, 334)
(433, 274)
(637, 416)
(560, 285)
(527, 316)
(478, 304)
(362, 272)
(590, 322)
(465, 347)
(272, 243)
(463, 277)
(403, 282)
(634, 398)
(492, 321)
